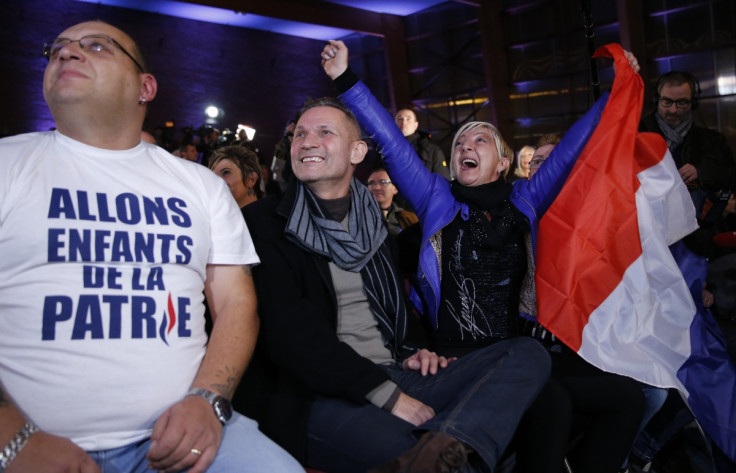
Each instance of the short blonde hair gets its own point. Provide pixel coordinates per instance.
(504, 150)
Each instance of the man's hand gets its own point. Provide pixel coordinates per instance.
(412, 410)
(335, 58)
(51, 454)
(688, 173)
(426, 361)
(188, 424)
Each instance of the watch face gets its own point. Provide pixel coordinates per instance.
(223, 409)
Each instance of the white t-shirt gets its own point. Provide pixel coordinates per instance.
(103, 258)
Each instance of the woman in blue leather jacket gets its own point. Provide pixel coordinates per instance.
(473, 258)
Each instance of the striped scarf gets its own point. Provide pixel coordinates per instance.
(674, 136)
(359, 248)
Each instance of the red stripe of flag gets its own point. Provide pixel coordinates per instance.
(591, 227)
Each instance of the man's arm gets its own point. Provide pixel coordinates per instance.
(42, 452)
(191, 423)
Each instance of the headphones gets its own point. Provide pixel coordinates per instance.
(680, 77)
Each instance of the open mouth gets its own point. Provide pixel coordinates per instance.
(312, 159)
(469, 163)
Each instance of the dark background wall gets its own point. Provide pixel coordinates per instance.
(257, 78)
(519, 63)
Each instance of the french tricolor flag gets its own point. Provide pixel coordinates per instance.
(609, 285)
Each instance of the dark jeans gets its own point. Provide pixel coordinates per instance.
(478, 399)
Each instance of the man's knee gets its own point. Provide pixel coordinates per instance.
(242, 443)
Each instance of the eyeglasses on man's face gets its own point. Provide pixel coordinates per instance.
(94, 43)
(667, 103)
(536, 162)
(382, 183)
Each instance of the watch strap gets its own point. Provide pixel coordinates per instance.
(220, 404)
(208, 395)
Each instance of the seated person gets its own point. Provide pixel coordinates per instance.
(353, 387)
(472, 262)
(104, 359)
(397, 219)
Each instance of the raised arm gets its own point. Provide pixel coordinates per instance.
(414, 181)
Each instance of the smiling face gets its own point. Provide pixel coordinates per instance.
(325, 150)
(475, 156)
(107, 79)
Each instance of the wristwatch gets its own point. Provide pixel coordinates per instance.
(221, 405)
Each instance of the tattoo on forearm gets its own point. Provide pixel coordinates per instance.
(227, 387)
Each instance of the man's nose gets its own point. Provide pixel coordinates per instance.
(309, 141)
(69, 51)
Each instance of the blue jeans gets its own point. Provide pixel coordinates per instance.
(478, 399)
(243, 449)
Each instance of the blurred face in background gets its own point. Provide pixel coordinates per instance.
(407, 122)
(540, 156)
(189, 152)
(382, 189)
(525, 157)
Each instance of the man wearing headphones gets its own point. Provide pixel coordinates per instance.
(702, 156)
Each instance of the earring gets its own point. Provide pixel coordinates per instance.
(142, 101)
(250, 191)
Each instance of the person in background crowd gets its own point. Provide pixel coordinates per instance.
(188, 151)
(281, 163)
(702, 156)
(431, 154)
(521, 170)
(397, 219)
(240, 169)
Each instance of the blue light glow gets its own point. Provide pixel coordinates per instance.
(228, 17)
(402, 8)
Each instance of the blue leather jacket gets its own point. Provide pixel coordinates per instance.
(431, 196)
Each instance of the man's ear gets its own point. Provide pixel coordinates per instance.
(149, 87)
(358, 152)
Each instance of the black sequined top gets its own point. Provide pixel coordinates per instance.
(483, 264)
